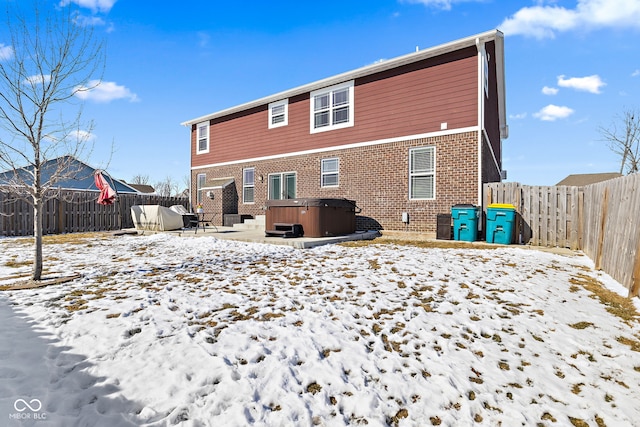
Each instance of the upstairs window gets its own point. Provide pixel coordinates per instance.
(278, 113)
(422, 173)
(329, 172)
(202, 140)
(248, 185)
(332, 107)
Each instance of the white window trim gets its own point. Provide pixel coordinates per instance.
(331, 89)
(198, 126)
(282, 175)
(244, 185)
(433, 150)
(285, 122)
(200, 190)
(323, 173)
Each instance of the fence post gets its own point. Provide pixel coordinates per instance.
(581, 218)
(634, 289)
(603, 223)
(59, 215)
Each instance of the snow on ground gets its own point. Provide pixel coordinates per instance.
(195, 331)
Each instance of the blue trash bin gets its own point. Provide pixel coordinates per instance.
(465, 222)
(500, 220)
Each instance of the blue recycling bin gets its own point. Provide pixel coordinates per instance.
(500, 220)
(465, 222)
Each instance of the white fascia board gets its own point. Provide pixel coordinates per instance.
(360, 72)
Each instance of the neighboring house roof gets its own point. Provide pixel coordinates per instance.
(142, 188)
(579, 180)
(81, 176)
(453, 46)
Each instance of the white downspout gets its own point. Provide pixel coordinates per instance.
(481, 54)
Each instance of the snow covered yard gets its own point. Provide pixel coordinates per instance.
(195, 331)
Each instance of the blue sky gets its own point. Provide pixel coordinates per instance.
(571, 68)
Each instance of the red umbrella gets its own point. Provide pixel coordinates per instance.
(107, 194)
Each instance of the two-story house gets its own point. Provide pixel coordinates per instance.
(412, 135)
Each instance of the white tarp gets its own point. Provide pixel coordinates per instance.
(155, 218)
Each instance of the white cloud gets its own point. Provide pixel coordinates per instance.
(82, 136)
(549, 90)
(38, 79)
(105, 92)
(6, 52)
(587, 84)
(103, 6)
(636, 73)
(440, 4)
(518, 116)
(89, 21)
(92, 20)
(552, 112)
(545, 21)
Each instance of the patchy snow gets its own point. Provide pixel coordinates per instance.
(195, 331)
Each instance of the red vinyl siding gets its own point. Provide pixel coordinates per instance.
(409, 100)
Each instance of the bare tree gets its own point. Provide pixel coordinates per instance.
(167, 188)
(184, 188)
(141, 179)
(47, 60)
(623, 138)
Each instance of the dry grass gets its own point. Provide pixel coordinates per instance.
(47, 280)
(54, 239)
(77, 305)
(314, 388)
(427, 244)
(633, 343)
(615, 304)
(577, 422)
(17, 264)
(71, 238)
(395, 420)
(581, 325)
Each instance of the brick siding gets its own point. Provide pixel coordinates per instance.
(375, 176)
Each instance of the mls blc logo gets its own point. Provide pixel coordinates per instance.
(21, 405)
(28, 410)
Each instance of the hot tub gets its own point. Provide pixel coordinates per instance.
(318, 217)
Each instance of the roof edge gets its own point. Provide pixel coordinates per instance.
(357, 73)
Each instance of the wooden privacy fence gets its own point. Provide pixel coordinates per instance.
(74, 211)
(600, 219)
(547, 216)
(612, 229)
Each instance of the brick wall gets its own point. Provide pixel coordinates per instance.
(375, 176)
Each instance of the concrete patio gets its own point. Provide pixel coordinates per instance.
(253, 231)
